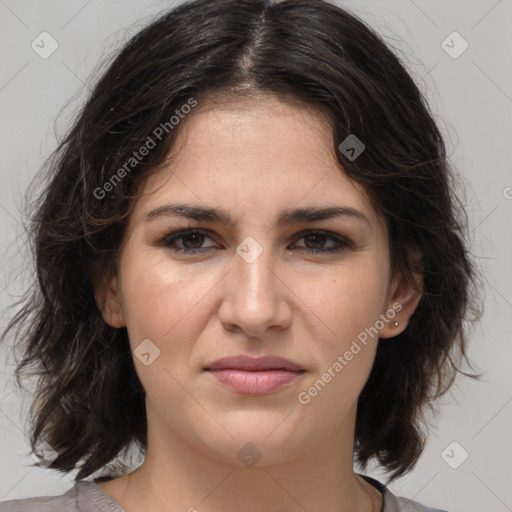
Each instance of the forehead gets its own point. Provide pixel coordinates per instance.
(256, 157)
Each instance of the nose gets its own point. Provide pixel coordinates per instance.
(256, 297)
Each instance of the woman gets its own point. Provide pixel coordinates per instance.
(250, 266)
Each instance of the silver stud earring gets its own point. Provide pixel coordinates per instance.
(394, 324)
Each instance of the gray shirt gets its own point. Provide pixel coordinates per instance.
(86, 496)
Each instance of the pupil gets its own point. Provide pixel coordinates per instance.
(319, 240)
(192, 235)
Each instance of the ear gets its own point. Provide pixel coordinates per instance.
(403, 301)
(108, 299)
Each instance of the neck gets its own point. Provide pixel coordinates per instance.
(178, 477)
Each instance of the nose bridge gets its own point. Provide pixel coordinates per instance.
(254, 294)
(252, 270)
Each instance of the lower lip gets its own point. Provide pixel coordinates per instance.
(255, 382)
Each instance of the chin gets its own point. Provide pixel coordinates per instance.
(255, 444)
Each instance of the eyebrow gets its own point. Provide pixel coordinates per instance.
(288, 216)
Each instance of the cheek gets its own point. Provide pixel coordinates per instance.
(347, 300)
(348, 303)
(166, 304)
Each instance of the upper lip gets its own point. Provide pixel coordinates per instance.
(244, 362)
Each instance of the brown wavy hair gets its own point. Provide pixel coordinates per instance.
(89, 403)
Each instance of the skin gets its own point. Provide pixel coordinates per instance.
(254, 159)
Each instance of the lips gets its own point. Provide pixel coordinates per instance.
(243, 362)
(254, 375)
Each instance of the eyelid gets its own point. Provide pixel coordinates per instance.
(325, 232)
(179, 233)
(343, 243)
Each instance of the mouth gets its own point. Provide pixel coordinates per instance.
(255, 375)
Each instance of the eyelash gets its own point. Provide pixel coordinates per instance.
(169, 239)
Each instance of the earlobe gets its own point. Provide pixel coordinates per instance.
(109, 302)
(403, 303)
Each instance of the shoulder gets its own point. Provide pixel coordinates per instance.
(393, 503)
(66, 501)
(82, 497)
(407, 505)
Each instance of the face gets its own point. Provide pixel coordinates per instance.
(313, 289)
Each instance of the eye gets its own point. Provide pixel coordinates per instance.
(316, 239)
(190, 241)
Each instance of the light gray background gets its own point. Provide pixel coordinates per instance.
(472, 98)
